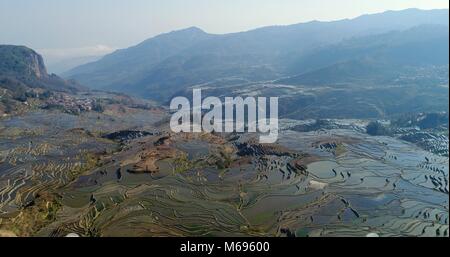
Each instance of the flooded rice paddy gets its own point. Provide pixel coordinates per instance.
(321, 183)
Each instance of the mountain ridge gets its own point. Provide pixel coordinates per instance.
(164, 64)
(424, 45)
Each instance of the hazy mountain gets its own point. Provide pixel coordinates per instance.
(131, 63)
(161, 66)
(376, 59)
(60, 67)
(374, 76)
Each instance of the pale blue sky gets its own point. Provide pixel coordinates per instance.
(97, 25)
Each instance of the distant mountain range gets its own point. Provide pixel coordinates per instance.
(59, 67)
(372, 66)
(374, 59)
(369, 46)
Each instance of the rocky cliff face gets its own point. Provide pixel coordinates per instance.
(20, 65)
(20, 61)
(24, 79)
(37, 66)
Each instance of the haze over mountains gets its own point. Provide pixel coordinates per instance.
(161, 66)
(362, 134)
(374, 59)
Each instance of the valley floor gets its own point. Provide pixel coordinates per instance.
(62, 173)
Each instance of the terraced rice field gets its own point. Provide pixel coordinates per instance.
(322, 183)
